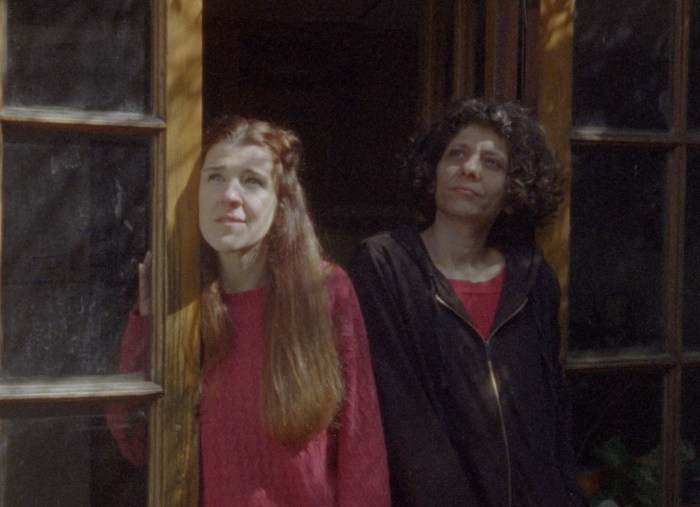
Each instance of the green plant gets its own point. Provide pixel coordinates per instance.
(634, 481)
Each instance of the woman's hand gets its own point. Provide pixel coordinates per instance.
(145, 285)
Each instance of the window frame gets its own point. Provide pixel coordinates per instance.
(174, 129)
(554, 105)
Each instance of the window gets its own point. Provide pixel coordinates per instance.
(101, 121)
(631, 277)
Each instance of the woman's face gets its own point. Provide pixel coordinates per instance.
(237, 196)
(470, 179)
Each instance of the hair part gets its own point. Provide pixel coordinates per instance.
(534, 180)
(302, 385)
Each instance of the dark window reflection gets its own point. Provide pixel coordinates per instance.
(616, 248)
(691, 289)
(67, 457)
(694, 67)
(621, 71)
(690, 437)
(617, 436)
(74, 227)
(87, 55)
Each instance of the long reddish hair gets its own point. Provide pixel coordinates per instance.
(302, 384)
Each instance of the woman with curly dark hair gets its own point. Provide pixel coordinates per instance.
(461, 311)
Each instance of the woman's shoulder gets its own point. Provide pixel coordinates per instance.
(529, 264)
(336, 277)
(402, 235)
(344, 305)
(401, 243)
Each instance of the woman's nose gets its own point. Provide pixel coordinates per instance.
(232, 195)
(472, 166)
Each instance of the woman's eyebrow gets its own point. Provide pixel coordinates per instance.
(497, 153)
(254, 170)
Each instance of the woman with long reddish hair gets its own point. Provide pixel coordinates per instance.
(288, 410)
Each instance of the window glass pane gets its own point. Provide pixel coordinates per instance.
(621, 74)
(694, 67)
(75, 215)
(617, 436)
(690, 438)
(616, 248)
(691, 289)
(69, 460)
(88, 55)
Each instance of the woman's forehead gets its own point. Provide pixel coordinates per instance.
(235, 153)
(475, 133)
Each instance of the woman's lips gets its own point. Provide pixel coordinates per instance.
(230, 220)
(466, 191)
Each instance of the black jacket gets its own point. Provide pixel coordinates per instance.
(467, 423)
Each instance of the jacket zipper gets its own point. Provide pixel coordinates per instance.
(504, 434)
(494, 387)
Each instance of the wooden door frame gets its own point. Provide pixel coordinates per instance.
(174, 432)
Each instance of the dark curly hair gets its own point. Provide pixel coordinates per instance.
(534, 181)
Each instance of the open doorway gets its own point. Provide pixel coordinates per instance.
(342, 74)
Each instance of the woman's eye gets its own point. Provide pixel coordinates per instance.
(215, 177)
(254, 181)
(494, 163)
(456, 152)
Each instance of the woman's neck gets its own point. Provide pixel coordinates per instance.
(239, 272)
(461, 251)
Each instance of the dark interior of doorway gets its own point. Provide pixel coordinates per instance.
(343, 74)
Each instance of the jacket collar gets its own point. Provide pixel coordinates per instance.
(522, 265)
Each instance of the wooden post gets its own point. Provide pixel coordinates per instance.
(431, 58)
(554, 111)
(174, 458)
(463, 53)
(501, 55)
